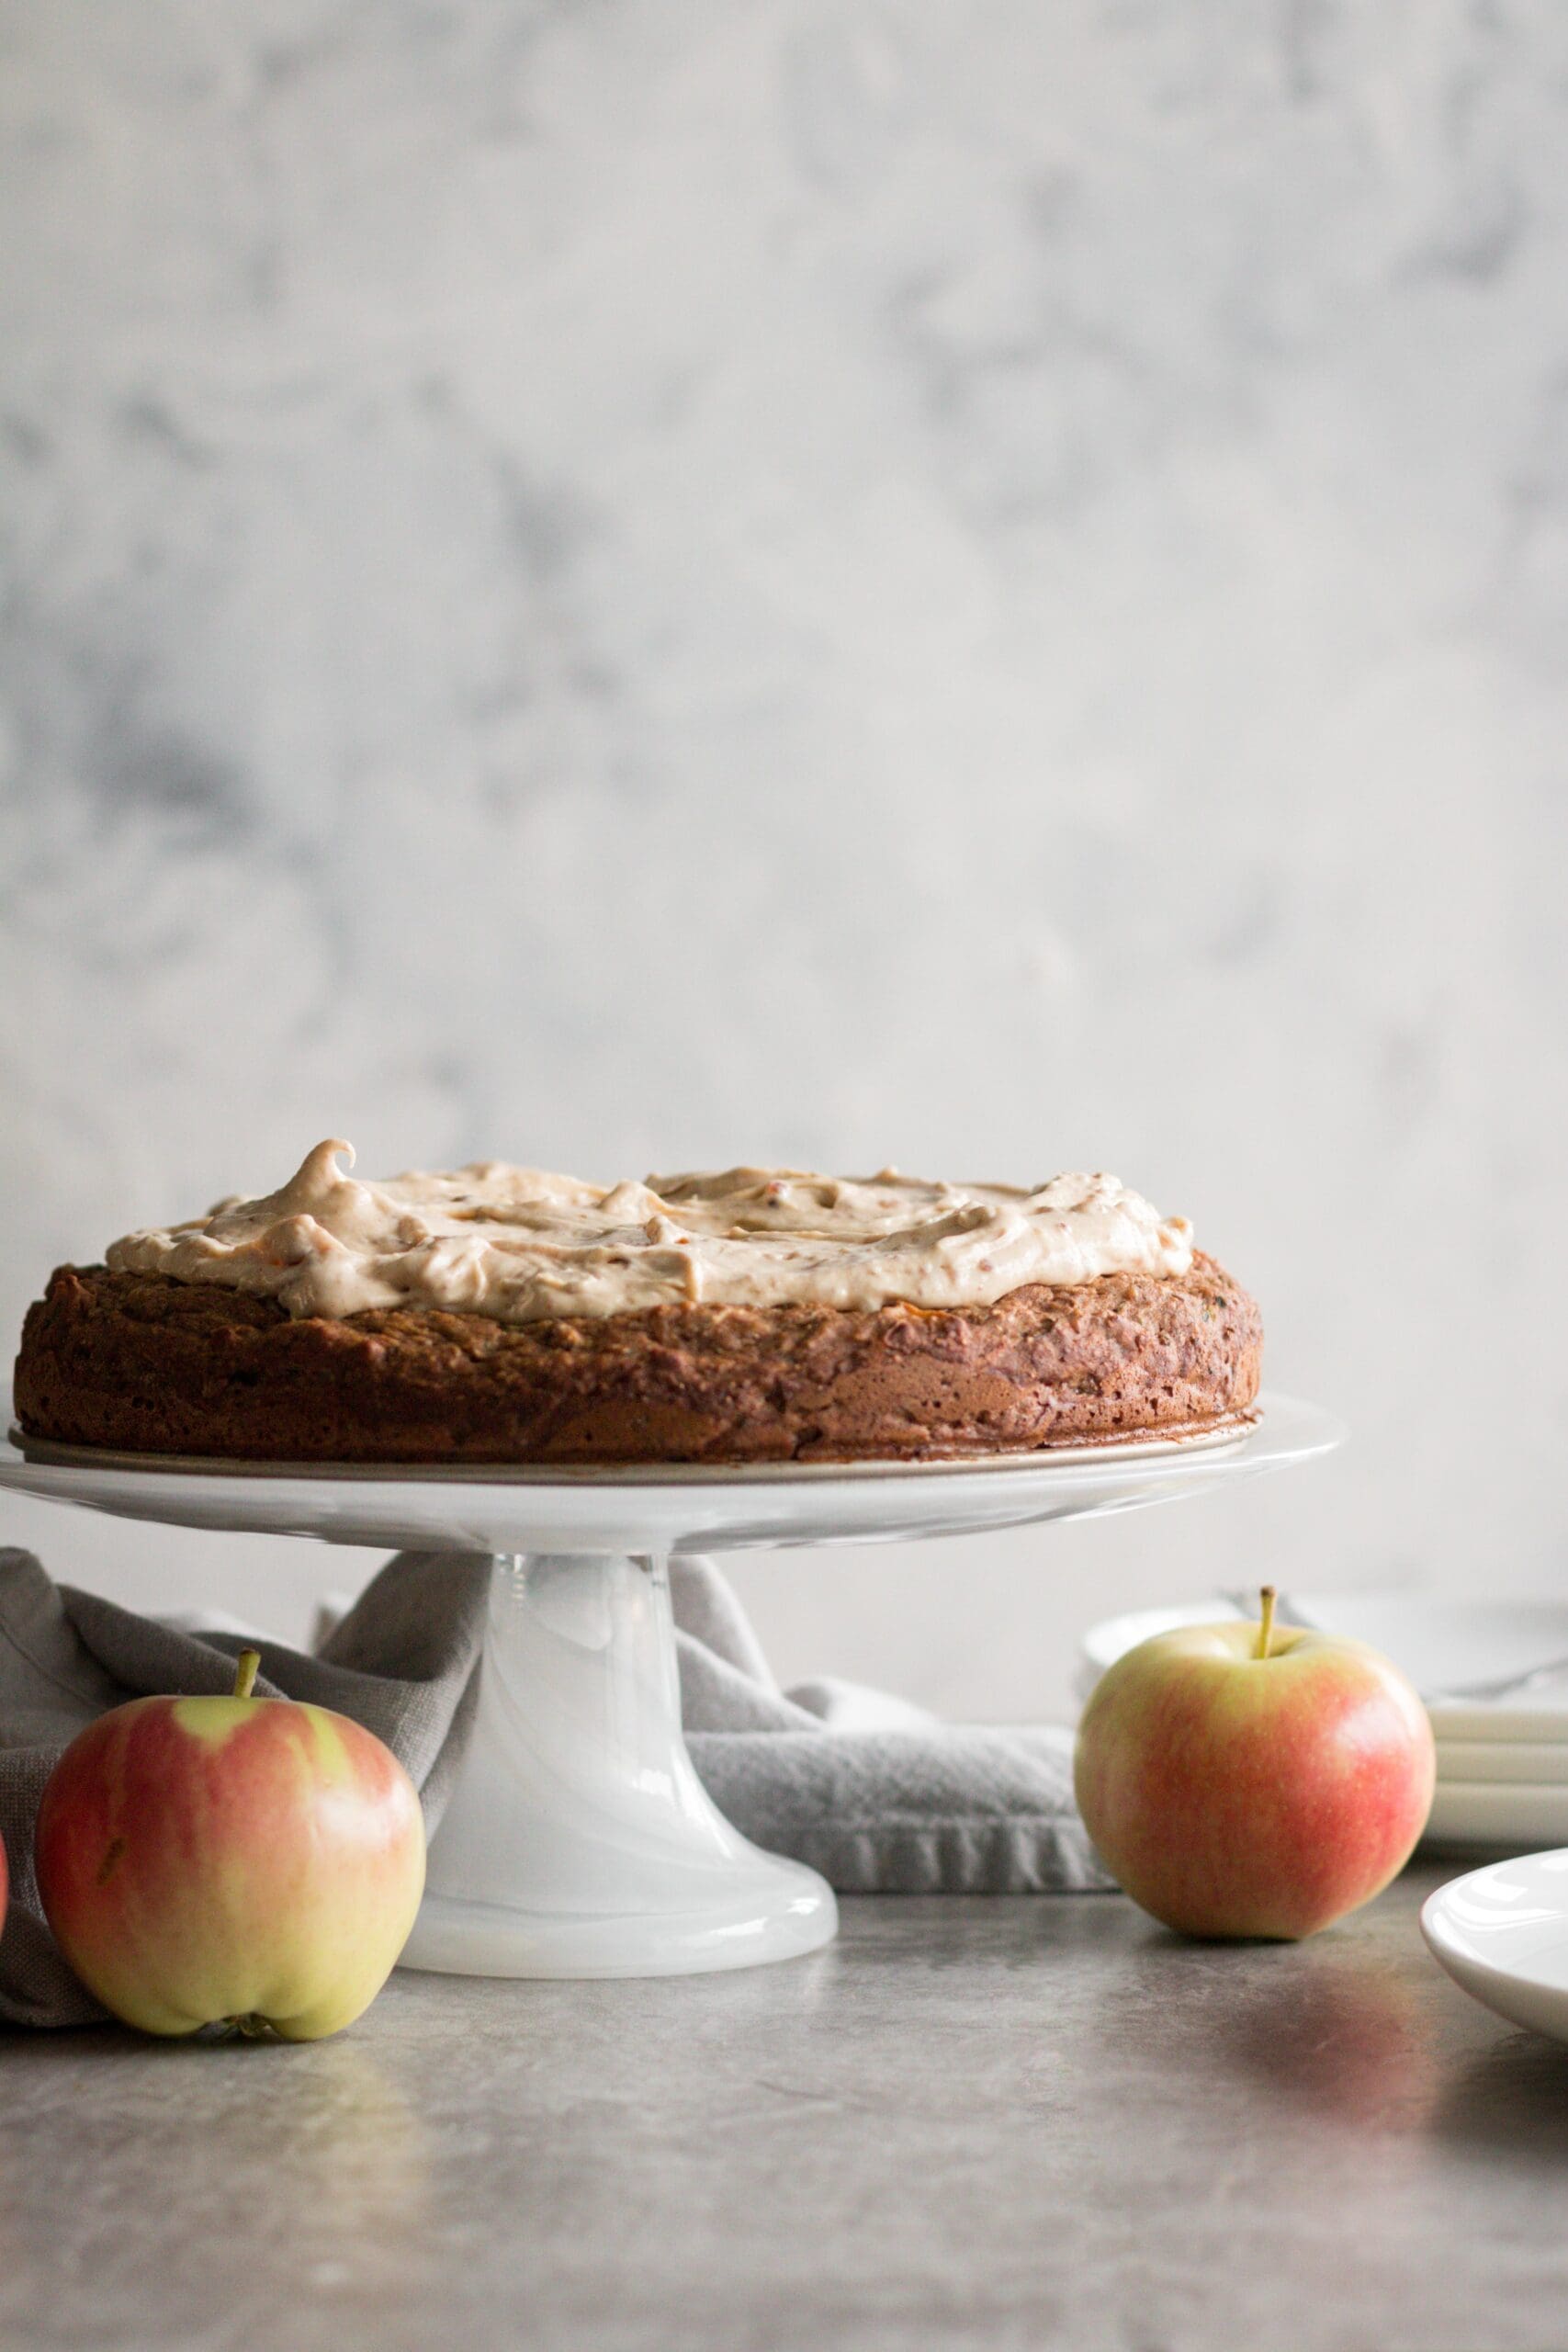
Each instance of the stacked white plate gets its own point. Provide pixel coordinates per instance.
(1502, 1760)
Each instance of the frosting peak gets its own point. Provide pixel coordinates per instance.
(522, 1245)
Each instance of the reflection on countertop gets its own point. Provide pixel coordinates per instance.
(970, 2123)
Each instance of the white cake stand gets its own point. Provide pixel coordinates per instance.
(579, 1840)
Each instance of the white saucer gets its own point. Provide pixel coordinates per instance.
(1502, 1933)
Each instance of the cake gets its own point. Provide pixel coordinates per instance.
(505, 1314)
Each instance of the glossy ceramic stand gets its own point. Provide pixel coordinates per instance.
(579, 1841)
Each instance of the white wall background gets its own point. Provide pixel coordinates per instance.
(625, 585)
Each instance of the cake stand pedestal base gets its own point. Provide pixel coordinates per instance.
(579, 1840)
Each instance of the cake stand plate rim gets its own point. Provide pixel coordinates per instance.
(666, 1507)
(1304, 1428)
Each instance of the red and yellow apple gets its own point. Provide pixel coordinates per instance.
(250, 1861)
(1244, 1781)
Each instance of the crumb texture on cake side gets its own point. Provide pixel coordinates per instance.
(142, 1363)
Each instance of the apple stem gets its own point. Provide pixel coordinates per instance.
(1266, 1630)
(247, 1667)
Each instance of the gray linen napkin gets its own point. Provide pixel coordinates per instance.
(878, 1796)
(874, 1793)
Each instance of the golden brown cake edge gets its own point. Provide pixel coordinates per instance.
(141, 1363)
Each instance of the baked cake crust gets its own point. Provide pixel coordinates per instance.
(142, 1363)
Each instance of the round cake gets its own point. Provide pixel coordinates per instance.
(505, 1315)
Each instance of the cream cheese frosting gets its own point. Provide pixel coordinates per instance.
(522, 1245)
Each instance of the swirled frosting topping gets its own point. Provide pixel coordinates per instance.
(521, 1245)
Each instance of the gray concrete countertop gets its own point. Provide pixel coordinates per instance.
(972, 2122)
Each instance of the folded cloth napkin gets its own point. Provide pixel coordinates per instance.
(875, 1794)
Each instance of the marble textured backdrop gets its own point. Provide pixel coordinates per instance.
(626, 586)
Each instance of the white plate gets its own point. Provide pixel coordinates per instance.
(1503, 1760)
(665, 1508)
(1502, 1933)
(1540, 1713)
(1509, 1788)
(1435, 1642)
(1114, 1636)
(1498, 1812)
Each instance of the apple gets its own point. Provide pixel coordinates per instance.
(254, 1862)
(1241, 1780)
